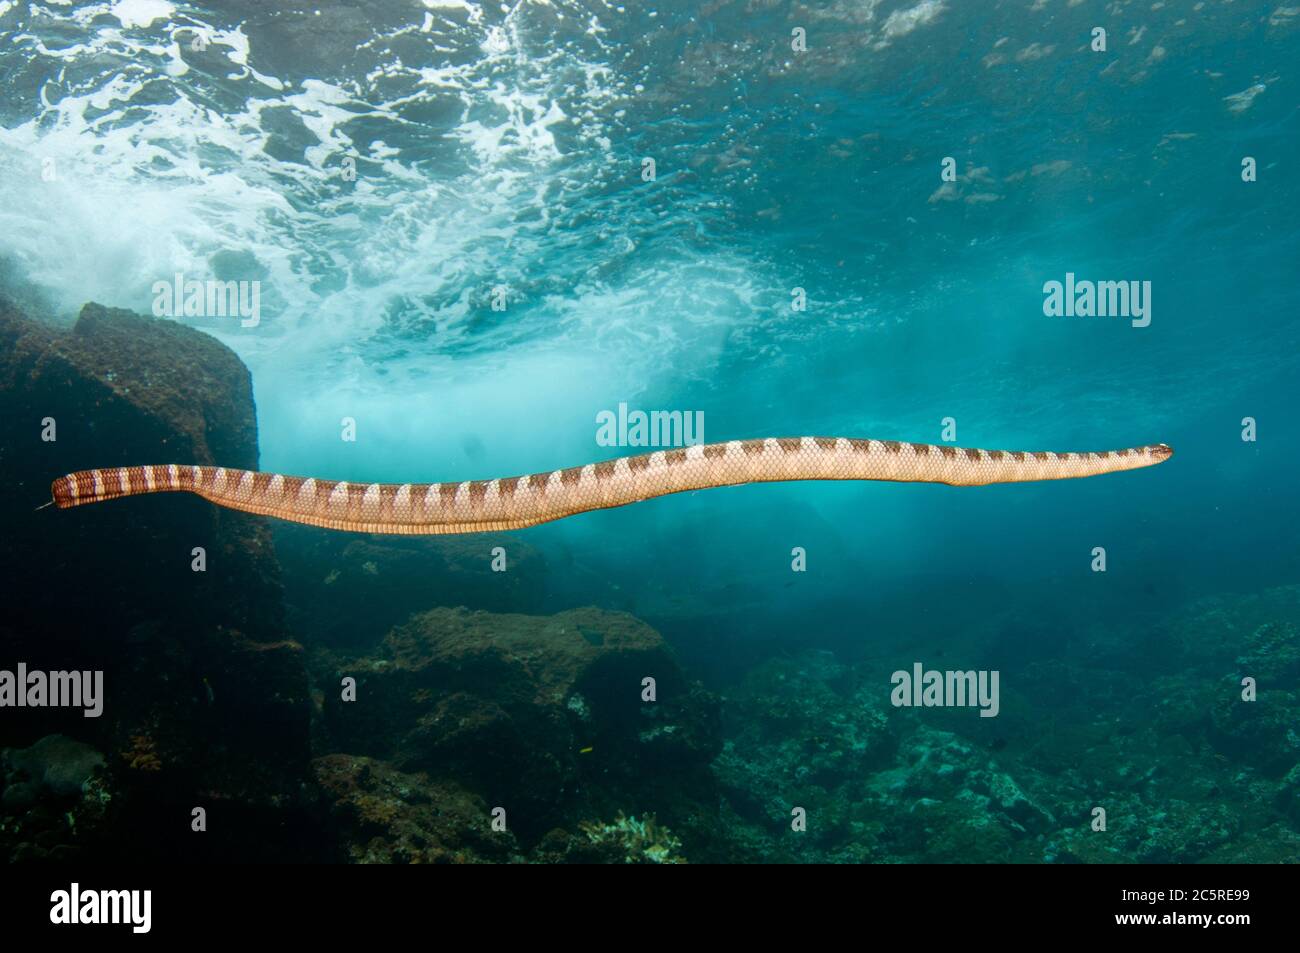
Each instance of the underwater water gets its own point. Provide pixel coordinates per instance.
(465, 236)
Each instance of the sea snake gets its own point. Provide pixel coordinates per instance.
(476, 506)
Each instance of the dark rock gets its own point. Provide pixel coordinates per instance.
(56, 764)
(126, 390)
(20, 796)
(202, 692)
(542, 715)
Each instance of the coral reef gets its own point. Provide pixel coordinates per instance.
(142, 755)
(627, 840)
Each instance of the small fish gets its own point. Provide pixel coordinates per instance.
(586, 750)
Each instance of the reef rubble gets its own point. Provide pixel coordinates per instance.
(1138, 746)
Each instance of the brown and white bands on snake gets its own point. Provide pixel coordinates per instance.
(477, 506)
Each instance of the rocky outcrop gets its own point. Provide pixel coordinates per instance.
(122, 390)
(547, 717)
(205, 702)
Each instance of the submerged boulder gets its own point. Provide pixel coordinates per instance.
(201, 691)
(556, 719)
(54, 765)
(123, 390)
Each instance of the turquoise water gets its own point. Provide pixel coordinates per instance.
(503, 146)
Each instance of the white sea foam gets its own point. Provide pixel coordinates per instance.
(373, 293)
(505, 153)
(134, 13)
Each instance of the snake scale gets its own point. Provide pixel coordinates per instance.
(476, 506)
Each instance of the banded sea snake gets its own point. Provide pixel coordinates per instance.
(477, 506)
